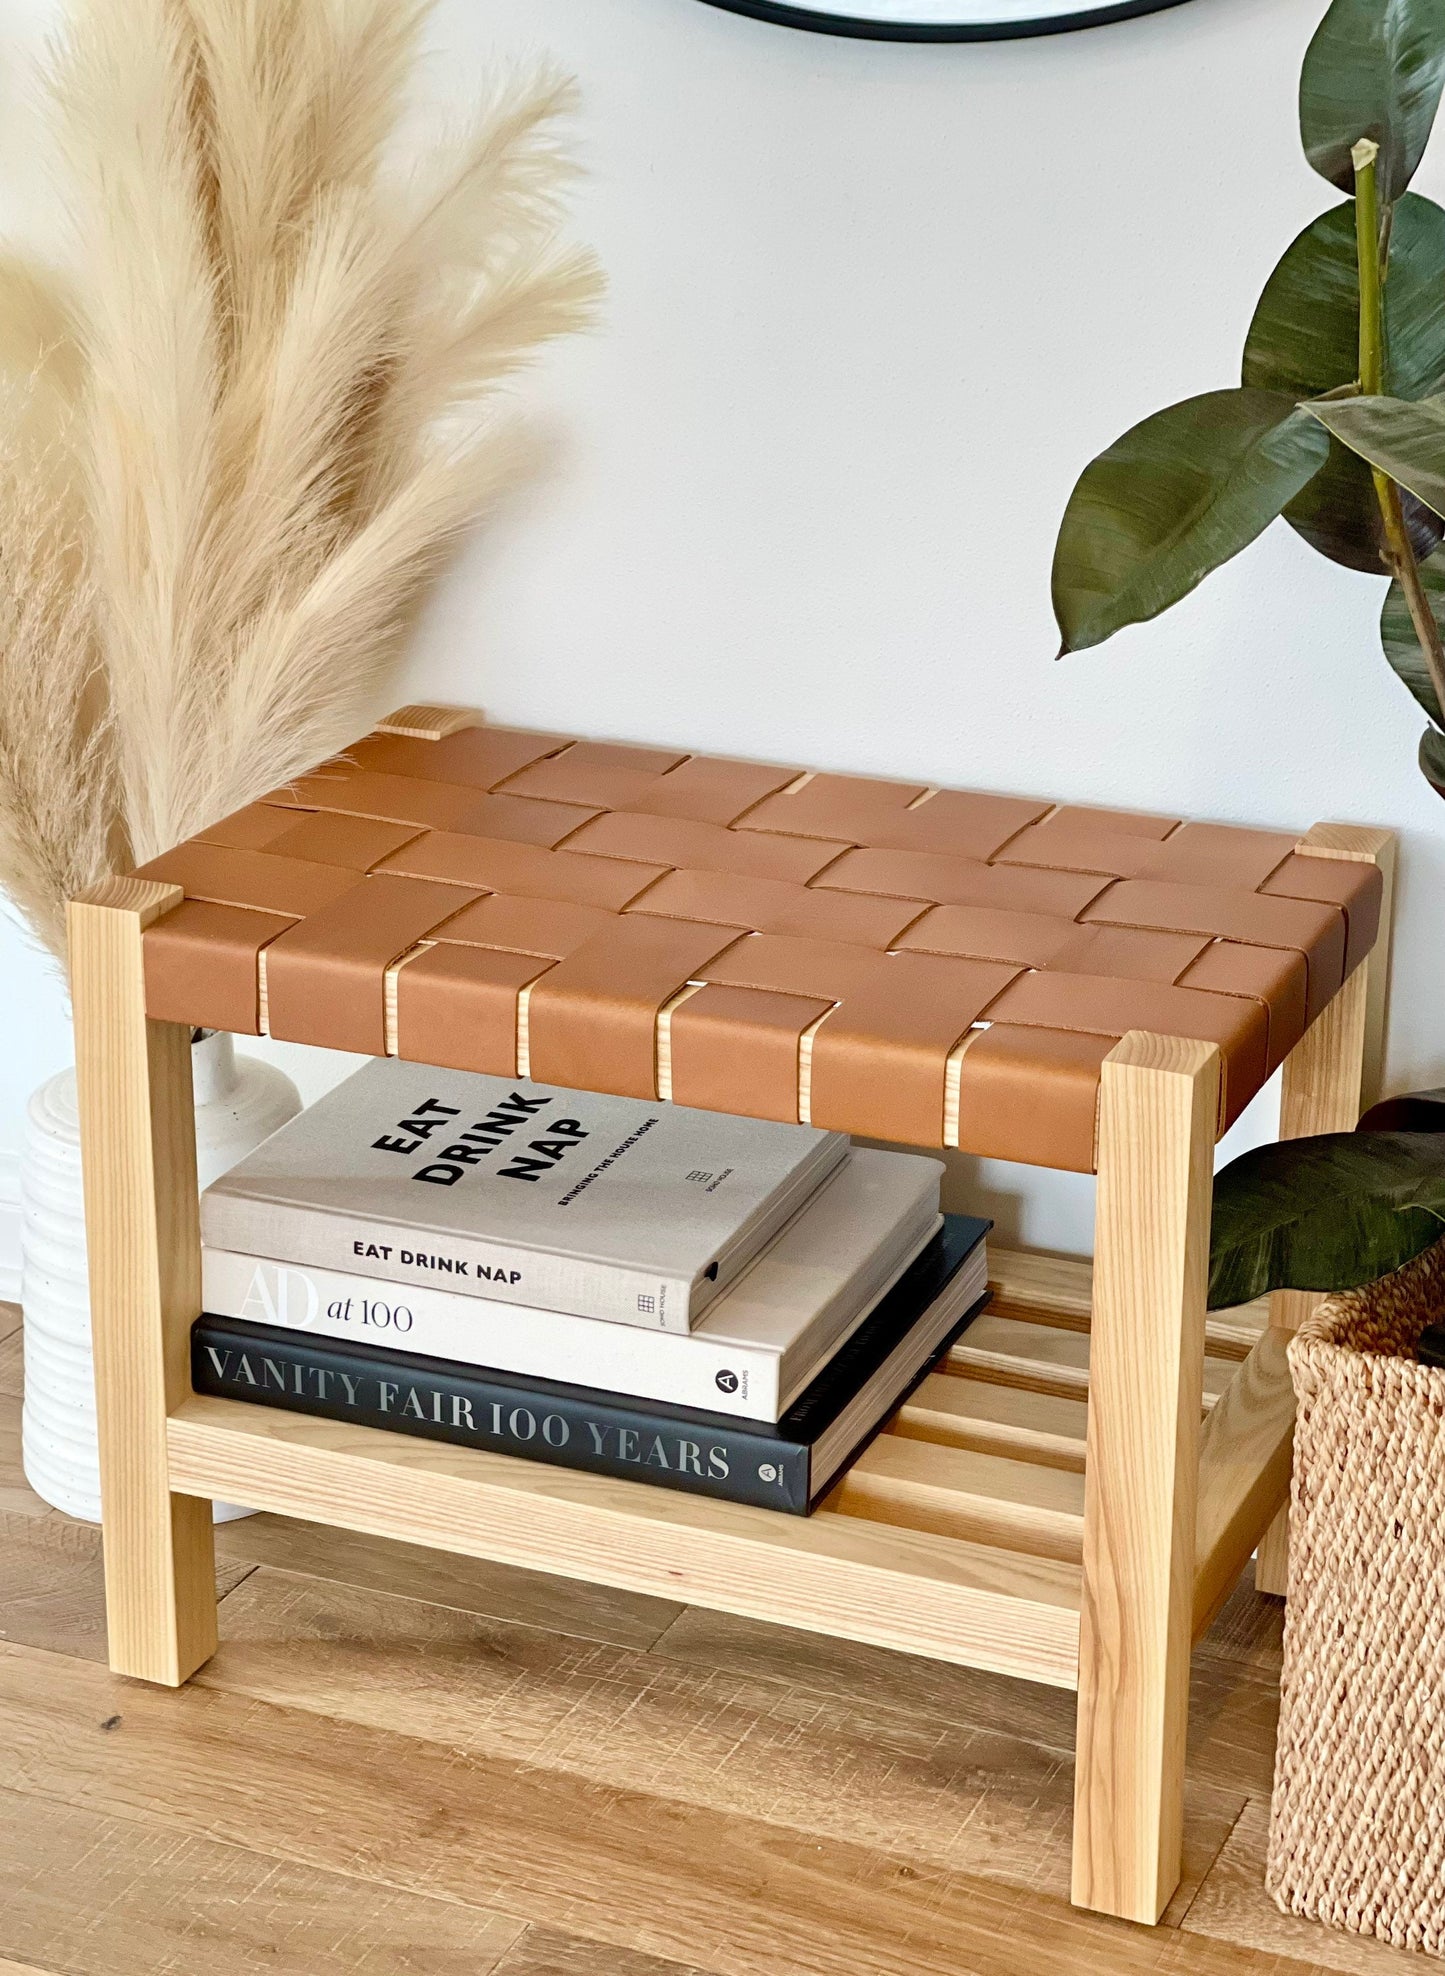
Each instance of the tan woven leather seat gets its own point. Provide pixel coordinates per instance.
(929, 966)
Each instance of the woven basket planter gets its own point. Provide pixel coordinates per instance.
(1357, 1834)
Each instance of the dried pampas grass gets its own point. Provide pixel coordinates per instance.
(235, 450)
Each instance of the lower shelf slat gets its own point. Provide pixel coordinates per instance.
(943, 1596)
(1045, 1358)
(960, 1492)
(962, 1412)
(1058, 1290)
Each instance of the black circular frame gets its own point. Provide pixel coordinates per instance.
(851, 24)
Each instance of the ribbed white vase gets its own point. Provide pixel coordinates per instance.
(239, 1102)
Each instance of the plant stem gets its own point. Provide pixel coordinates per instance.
(1401, 558)
(1367, 253)
(1399, 550)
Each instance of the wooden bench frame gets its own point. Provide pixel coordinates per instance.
(995, 1536)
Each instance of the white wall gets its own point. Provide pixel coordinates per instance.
(873, 307)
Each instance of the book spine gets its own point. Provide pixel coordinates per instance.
(503, 1271)
(601, 1433)
(691, 1371)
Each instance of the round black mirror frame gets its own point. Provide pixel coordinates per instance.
(784, 15)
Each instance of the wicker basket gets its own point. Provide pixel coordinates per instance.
(1357, 1835)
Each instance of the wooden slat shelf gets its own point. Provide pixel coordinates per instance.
(958, 1533)
(974, 1604)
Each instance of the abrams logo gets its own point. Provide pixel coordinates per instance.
(472, 1145)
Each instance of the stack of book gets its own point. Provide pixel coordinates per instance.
(709, 1303)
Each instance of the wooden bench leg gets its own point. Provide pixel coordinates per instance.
(1158, 1119)
(142, 1233)
(1330, 1077)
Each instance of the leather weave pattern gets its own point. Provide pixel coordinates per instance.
(931, 966)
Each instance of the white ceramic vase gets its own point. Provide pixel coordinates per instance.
(239, 1102)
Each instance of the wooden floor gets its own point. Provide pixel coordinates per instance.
(405, 1762)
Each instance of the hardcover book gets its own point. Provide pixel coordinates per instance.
(754, 1351)
(784, 1467)
(610, 1208)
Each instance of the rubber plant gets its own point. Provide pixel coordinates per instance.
(1338, 425)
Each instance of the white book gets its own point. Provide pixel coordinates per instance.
(752, 1355)
(614, 1208)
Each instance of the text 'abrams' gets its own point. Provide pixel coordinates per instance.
(526, 1161)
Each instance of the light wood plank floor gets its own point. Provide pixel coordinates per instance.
(404, 1762)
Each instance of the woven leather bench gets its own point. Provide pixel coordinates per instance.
(1088, 989)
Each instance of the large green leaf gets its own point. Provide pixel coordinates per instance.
(1375, 68)
(1327, 1213)
(1305, 336)
(1406, 441)
(1432, 759)
(1304, 340)
(1177, 496)
(1402, 647)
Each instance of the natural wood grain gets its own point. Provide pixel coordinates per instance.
(12, 1365)
(1334, 1069)
(1040, 1358)
(1361, 843)
(18, 1501)
(739, 1896)
(1234, 1706)
(935, 1691)
(953, 1088)
(1233, 1907)
(663, 1037)
(54, 1597)
(1366, 843)
(534, 1598)
(1249, 1632)
(1244, 1470)
(52, 1584)
(1330, 1076)
(142, 1235)
(948, 1797)
(958, 1492)
(1323, 1081)
(1233, 1334)
(423, 722)
(1059, 1291)
(9, 1320)
(996, 1419)
(1157, 1112)
(24, 1518)
(1271, 1557)
(96, 1895)
(1061, 1286)
(548, 1952)
(896, 1587)
(391, 1012)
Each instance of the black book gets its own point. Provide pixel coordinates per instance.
(785, 1467)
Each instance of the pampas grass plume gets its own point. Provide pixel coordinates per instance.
(237, 447)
